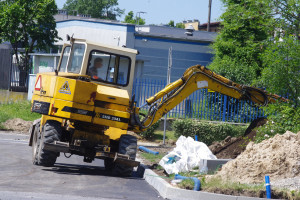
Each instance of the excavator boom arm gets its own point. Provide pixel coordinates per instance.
(194, 78)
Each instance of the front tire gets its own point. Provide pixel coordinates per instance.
(127, 146)
(51, 132)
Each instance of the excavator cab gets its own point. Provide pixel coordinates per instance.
(113, 66)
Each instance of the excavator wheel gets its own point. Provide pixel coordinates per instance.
(51, 132)
(36, 143)
(109, 164)
(127, 146)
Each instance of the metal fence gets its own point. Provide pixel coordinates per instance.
(18, 79)
(5, 63)
(202, 104)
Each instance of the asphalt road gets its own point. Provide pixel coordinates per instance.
(69, 179)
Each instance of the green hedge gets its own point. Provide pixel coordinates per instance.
(149, 133)
(207, 132)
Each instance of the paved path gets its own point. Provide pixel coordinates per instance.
(68, 179)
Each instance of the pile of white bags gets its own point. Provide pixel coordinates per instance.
(185, 156)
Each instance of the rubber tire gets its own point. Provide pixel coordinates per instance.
(127, 146)
(51, 132)
(108, 164)
(36, 143)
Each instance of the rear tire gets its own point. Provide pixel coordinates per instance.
(51, 132)
(36, 143)
(127, 146)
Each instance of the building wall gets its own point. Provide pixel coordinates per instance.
(155, 51)
(44, 62)
(107, 33)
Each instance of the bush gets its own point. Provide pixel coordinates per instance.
(149, 133)
(282, 117)
(207, 132)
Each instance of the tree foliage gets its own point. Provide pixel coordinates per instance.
(238, 47)
(287, 17)
(28, 24)
(171, 23)
(104, 9)
(281, 72)
(180, 25)
(130, 19)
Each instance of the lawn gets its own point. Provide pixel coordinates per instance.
(20, 109)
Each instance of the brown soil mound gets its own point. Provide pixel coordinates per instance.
(18, 125)
(231, 147)
(277, 157)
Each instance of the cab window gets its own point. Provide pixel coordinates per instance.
(64, 59)
(110, 68)
(76, 57)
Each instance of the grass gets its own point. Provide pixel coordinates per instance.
(20, 109)
(151, 157)
(158, 135)
(218, 183)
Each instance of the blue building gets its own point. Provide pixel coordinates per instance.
(153, 43)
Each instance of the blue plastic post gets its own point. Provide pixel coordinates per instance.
(196, 137)
(268, 187)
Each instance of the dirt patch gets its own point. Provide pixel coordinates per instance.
(231, 147)
(277, 157)
(17, 124)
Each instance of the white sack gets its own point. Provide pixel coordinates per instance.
(188, 153)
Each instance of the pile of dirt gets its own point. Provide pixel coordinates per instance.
(231, 147)
(277, 157)
(17, 124)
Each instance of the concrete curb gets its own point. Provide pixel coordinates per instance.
(167, 191)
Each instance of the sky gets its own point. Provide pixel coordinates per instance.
(162, 11)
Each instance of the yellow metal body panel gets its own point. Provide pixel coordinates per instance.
(111, 118)
(115, 133)
(74, 90)
(80, 112)
(45, 118)
(113, 95)
(45, 83)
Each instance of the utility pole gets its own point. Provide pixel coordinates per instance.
(138, 18)
(168, 82)
(209, 13)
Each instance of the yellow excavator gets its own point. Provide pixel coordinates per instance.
(87, 108)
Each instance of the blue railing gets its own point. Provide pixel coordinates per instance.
(202, 104)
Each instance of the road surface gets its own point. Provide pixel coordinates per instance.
(69, 178)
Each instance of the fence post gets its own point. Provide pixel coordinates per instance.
(224, 108)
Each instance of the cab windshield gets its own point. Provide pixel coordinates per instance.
(76, 57)
(72, 60)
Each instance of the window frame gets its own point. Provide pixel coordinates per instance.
(119, 56)
(62, 57)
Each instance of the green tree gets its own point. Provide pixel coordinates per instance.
(239, 45)
(104, 9)
(180, 25)
(281, 74)
(28, 24)
(171, 23)
(287, 17)
(130, 19)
